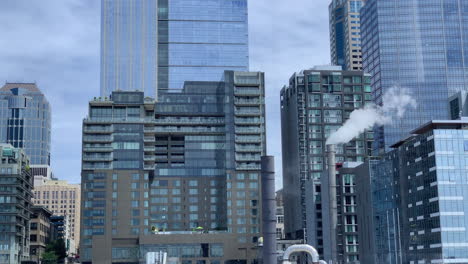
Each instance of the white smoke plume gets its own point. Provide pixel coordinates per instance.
(396, 102)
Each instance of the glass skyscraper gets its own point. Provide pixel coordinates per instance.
(417, 203)
(420, 45)
(314, 105)
(25, 120)
(154, 45)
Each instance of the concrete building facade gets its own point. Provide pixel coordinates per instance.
(314, 105)
(345, 33)
(40, 232)
(179, 176)
(62, 199)
(15, 204)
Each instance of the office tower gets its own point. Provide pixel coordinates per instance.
(418, 45)
(148, 45)
(62, 199)
(179, 176)
(15, 204)
(314, 105)
(418, 197)
(345, 33)
(25, 120)
(40, 232)
(347, 240)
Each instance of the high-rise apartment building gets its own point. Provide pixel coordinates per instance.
(179, 176)
(413, 209)
(62, 199)
(15, 204)
(149, 45)
(345, 33)
(314, 105)
(25, 120)
(419, 45)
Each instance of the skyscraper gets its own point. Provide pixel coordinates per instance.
(414, 207)
(345, 33)
(179, 176)
(150, 45)
(25, 120)
(15, 204)
(419, 45)
(314, 105)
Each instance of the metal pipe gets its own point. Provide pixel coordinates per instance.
(333, 204)
(268, 209)
(300, 248)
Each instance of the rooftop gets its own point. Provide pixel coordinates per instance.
(434, 124)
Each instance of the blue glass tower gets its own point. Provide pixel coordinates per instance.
(420, 45)
(25, 120)
(128, 46)
(154, 45)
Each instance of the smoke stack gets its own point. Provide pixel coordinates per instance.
(332, 199)
(268, 210)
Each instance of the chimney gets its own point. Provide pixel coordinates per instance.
(331, 152)
(268, 210)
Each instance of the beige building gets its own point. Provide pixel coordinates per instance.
(40, 231)
(62, 198)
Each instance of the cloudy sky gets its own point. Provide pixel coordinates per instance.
(55, 43)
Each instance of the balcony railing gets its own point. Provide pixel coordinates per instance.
(248, 130)
(98, 158)
(248, 139)
(247, 112)
(98, 139)
(245, 91)
(98, 149)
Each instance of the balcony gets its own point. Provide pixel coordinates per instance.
(149, 149)
(98, 139)
(248, 139)
(247, 166)
(247, 91)
(98, 149)
(248, 149)
(149, 139)
(238, 101)
(247, 112)
(149, 167)
(248, 158)
(248, 121)
(98, 158)
(148, 157)
(248, 130)
(191, 129)
(98, 130)
(191, 121)
(148, 130)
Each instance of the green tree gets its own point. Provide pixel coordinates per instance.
(49, 257)
(60, 249)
